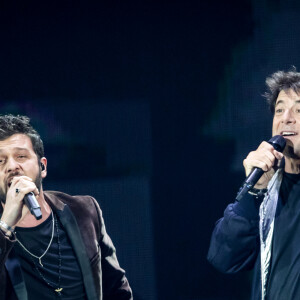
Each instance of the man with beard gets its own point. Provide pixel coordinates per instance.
(66, 254)
(262, 230)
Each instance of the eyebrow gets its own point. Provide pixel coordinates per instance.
(281, 101)
(17, 148)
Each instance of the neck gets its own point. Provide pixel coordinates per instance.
(29, 220)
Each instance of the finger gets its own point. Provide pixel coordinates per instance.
(22, 182)
(269, 157)
(262, 155)
(259, 159)
(265, 165)
(22, 191)
(24, 187)
(265, 146)
(25, 178)
(277, 154)
(17, 179)
(36, 191)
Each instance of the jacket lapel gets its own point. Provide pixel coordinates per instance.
(71, 227)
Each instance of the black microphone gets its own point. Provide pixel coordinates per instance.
(278, 142)
(33, 205)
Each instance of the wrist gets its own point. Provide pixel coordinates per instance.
(260, 186)
(6, 229)
(258, 192)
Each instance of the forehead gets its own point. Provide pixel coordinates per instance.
(287, 96)
(16, 141)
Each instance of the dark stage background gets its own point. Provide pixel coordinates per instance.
(150, 106)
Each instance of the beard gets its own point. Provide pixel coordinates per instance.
(38, 182)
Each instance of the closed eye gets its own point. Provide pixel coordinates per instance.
(21, 157)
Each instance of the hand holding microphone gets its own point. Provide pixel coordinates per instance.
(259, 164)
(22, 190)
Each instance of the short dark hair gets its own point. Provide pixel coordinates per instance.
(10, 125)
(279, 81)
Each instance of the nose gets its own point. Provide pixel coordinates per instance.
(11, 165)
(288, 117)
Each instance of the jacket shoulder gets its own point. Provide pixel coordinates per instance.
(79, 202)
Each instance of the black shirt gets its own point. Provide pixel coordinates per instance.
(36, 239)
(284, 279)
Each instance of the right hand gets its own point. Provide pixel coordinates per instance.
(14, 208)
(266, 158)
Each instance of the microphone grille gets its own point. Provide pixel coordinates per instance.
(278, 142)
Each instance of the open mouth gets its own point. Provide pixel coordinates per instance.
(288, 133)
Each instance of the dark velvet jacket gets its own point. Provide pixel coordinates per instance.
(82, 220)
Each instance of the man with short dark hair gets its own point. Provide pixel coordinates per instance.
(262, 230)
(67, 253)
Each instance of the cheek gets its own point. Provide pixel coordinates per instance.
(31, 168)
(273, 128)
(275, 125)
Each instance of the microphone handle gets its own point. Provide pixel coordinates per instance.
(249, 183)
(33, 205)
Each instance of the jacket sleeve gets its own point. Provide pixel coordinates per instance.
(115, 283)
(235, 240)
(6, 244)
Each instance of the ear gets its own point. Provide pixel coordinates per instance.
(43, 162)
